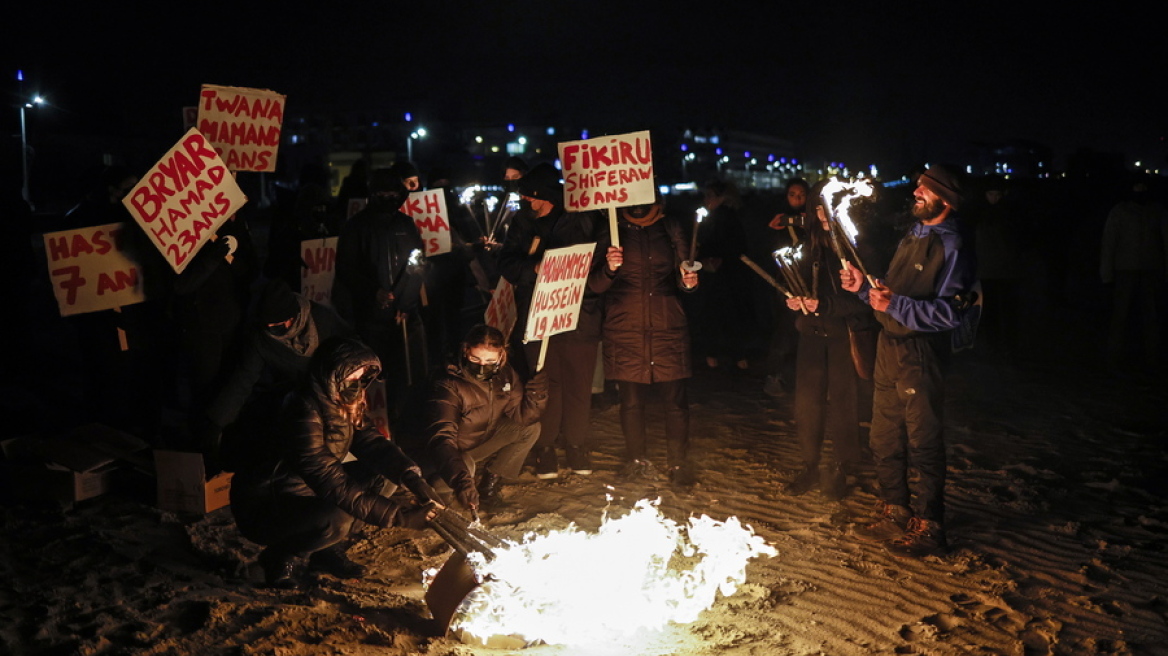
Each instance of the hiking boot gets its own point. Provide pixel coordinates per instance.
(923, 537)
(803, 482)
(683, 477)
(546, 465)
(890, 523)
(279, 568)
(490, 491)
(639, 471)
(579, 460)
(334, 561)
(833, 482)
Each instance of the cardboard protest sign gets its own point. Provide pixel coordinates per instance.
(91, 270)
(320, 267)
(607, 171)
(377, 406)
(243, 125)
(501, 311)
(355, 205)
(559, 291)
(428, 210)
(184, 199)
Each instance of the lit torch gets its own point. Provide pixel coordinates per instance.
(692, 264)
(467, 199)
(841, 221)
(787, 259)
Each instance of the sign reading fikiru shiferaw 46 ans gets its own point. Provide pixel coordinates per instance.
(243, 125)
(612, 171)
(559, 291)
(184, 199)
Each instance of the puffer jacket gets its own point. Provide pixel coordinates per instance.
(462, 413)
(646, 335)
(315, 436)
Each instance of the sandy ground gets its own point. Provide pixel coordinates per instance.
(1057, 520)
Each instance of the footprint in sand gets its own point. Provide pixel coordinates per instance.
(1039, 637)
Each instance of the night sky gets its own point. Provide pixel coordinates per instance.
(884, 83)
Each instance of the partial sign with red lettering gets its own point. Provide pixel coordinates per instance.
(184, 199)
(355, 205)
(428, 210)
(243, 125)
(608, 171)
(91, 270)
(559, 291)
(320, 267)
(501, 311)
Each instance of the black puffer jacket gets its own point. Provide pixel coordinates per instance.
(315, 436)
(462, 412)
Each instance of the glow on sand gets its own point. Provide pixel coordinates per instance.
(637, 573)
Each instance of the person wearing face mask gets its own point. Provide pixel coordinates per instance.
(286, 330)
(481, 415)
(302, 499)
(646, 334)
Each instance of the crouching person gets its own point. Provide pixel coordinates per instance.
(302, 499)
(480, 415)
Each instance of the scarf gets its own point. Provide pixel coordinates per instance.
(301, 337)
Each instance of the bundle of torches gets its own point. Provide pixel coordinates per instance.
(837, 204)
(496, 214)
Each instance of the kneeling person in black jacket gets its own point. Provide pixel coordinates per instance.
(302, 499)
(481, 412)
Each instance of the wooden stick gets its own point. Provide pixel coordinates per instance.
(615, 237)
(543, 348)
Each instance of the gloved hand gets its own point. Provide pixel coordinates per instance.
(414, 482)
(468, 496)
(417, 517)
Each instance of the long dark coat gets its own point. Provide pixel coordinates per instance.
(646, 335)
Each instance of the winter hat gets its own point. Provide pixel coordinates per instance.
(405, 170)
(943, 181)
(277, 304)
(516, 163)
(542, 183)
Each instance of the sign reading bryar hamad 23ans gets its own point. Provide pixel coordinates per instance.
(612, 171)
(243, 125)
(183, 200)
(559, 291)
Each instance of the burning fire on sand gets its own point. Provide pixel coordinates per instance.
(636, 573)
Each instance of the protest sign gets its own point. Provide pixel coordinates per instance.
(501, 311)
(377, 406)
(243, 125)
(428, 210)
(183, 200)
(355, 205)
(607, 171)
(320, 267)
(559, 291)
(91, 270)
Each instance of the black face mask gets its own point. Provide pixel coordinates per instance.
(352, 390)
(511, 186)
(482, 371)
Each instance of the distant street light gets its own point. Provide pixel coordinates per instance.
(416, 134)
(24, 192)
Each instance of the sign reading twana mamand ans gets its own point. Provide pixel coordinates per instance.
(243, 125)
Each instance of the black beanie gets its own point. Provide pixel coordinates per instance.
(516, 163)
(405, 170)
(543, 183)
(945, 182)
(277, 304)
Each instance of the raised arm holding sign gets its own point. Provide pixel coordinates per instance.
(608, 172)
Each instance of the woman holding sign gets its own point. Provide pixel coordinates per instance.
(646, 335)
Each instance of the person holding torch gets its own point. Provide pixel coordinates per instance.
(925, 296)
(646, 335)
(826, 376)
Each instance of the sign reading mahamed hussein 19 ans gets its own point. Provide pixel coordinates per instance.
(559, 291)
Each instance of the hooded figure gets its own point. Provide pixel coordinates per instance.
(302, 498)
